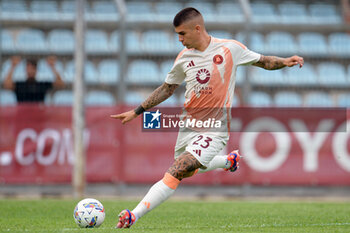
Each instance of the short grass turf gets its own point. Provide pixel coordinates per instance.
(48, 215)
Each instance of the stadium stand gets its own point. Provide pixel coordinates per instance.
(143, 72)
(288, 99)
(108, 71)
(31, 41)
(260, 99)
(61, 98)
(152, 46)
(55, 38)
(7, 98)
(44, 72)
(99, 98)
(332, 74)
(312, 43)
(318, 99)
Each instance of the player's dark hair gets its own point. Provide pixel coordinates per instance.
(32, 61)
(185, 15)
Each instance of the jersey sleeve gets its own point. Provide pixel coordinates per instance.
(176, 74)
(248, 57)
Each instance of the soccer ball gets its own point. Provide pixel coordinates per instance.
(89, 213)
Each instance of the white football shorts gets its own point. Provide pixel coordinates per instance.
(204, 146)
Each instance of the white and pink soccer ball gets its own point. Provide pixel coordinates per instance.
(89, 213)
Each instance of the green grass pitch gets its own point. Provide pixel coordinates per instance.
(51, 215)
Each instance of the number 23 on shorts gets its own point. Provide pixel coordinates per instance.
(202, 141)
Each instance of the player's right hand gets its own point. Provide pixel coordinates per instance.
(125, 116)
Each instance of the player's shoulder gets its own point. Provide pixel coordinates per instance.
(229, 42)
(183, 53)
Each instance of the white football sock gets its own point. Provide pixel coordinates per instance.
(157, 194)
(219, 161)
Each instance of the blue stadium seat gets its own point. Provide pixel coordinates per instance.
(318, 99)
(257, 41)
(229, 12)
(31, 40)
(18, 75)
(91, 75)
(108, 71)
(305, 76)
(221, 34)
(332, 74)
(261, 76)
(13, 9)
(288, 99)
(143, 72)
(133, 44)
(104, 11)
(281, 43)
(96, 41)
(61, 41)
(99, 98)
(323, 13)
(264, 12)
(44, 72)
(312, 43)
(344, 100)
(133, 98)
(7, 98)
(292, 13)
(68, 9)
(170, 102)
(157, 41)
(62, 98)
(114, 41)
(260, 99)
(44, 10)
(7, 41)
(165, 68)
(236, 101)
(140, 11)
(167, 10)
(339, 44)
(207, 9)
(240, 75)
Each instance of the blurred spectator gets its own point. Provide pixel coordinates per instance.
(346, 10)
(31, 90)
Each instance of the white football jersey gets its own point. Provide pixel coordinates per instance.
(210, 77)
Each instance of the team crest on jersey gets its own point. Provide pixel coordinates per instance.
(218, 59)
(203, 76)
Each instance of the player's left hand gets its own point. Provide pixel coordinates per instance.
(294, 60)
(125, 116)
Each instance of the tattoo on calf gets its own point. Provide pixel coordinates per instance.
(184, 165)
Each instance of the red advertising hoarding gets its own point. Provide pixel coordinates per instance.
(280, 147)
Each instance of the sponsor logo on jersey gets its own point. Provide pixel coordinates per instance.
(190, 64)
(151, 120)
(198, 152)
(203, 76)
(218, 59)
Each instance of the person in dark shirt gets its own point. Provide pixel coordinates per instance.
(31, 90)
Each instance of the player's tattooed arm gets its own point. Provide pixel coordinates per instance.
(184, 166)
(274, 63)
(159, 95)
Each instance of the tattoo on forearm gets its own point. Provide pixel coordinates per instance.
(184, 165)
(159, 95)
(270, 62)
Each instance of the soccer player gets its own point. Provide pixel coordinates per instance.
(208, 66)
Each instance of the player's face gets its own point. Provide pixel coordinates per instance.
(31, 71)
(188, 34)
